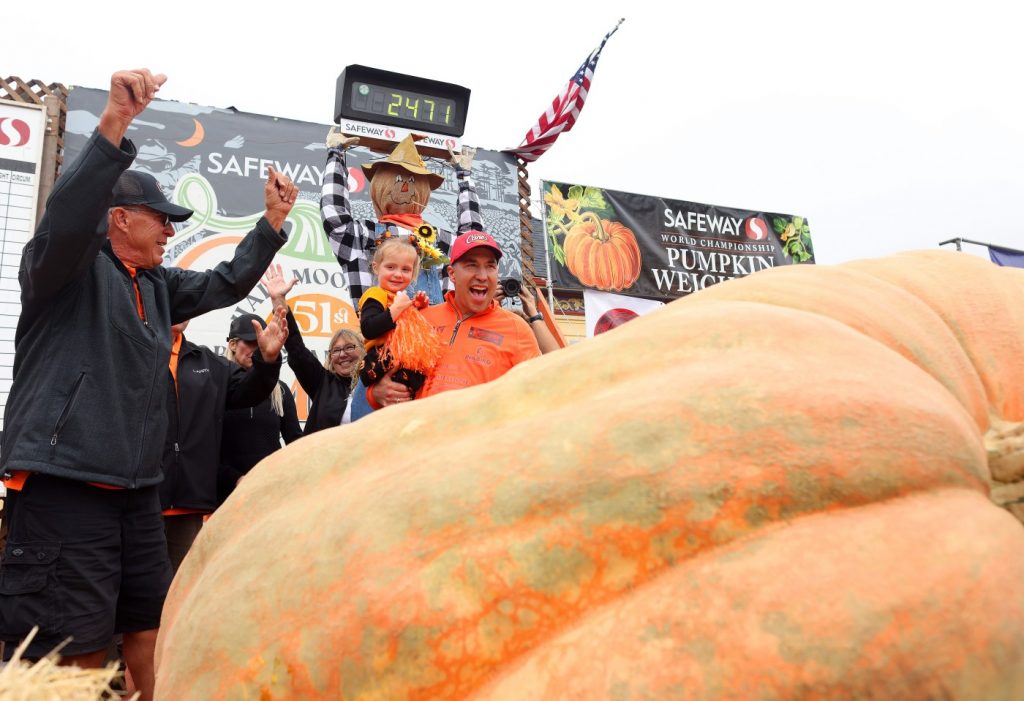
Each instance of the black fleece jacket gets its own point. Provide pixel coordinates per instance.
(208, 384)
(89, 397)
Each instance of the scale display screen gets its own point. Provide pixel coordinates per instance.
(396, 99)
(379, 101)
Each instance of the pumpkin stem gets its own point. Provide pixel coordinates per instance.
(1004, 442)
(599, 232)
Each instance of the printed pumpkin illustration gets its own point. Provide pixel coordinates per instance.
(602, 254)
(789, 496)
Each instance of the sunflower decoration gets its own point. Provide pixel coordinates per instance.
(423, 238)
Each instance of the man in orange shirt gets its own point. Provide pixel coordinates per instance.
(482, 341)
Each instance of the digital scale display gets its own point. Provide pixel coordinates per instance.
(377, 101)
(396, 99)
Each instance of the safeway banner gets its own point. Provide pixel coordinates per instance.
(658, 248)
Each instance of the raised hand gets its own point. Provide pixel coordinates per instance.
(271, 339)
(420, 300)
(463, 159)
(335, 139)
(279, 194)
(529, 301)
(131, 92)
(277, 286)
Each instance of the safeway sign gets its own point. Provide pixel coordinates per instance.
(658, 248)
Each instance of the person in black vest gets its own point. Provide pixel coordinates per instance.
(329, 384)
(254, 433)
(205, 385)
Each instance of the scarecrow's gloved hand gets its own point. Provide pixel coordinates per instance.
(463, 159)
(335, 139)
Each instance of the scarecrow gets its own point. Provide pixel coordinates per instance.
(400, 188)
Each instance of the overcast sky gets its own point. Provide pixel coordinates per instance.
(890, 125)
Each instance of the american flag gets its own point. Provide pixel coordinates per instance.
(564, 110)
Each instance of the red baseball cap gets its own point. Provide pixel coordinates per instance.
(471, 240)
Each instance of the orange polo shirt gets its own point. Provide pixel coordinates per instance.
(478, 349)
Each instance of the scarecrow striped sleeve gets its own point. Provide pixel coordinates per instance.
(469, 205)
(350, 238)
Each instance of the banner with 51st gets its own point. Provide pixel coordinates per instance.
(658, 248)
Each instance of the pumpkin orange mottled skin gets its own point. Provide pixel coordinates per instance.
(602, 254)
(778, 488)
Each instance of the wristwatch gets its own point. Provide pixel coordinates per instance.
(535, 317)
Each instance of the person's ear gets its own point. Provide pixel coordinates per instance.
(118, 218)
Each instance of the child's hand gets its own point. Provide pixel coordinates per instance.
(421, 301)
(401, 303)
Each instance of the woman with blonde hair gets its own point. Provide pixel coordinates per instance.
(254, 433)
(328, 384)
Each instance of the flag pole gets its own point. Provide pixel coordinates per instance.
(960, 240)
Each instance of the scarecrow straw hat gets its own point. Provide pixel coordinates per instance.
(406, 156)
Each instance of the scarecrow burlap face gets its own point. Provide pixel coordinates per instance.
(401, 183)
(394, 190)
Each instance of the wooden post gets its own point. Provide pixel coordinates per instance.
(526, 246)
(525, 225)
(48, 167)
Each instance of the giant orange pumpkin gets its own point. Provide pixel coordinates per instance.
(778, 488)
(602, 253)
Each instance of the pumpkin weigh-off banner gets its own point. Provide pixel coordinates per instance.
(658, 248)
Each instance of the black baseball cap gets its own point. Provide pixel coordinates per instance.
(136, 187)
(241, 327)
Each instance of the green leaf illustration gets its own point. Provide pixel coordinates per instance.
(593, 198)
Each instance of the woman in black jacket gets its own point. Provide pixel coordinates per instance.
(204, 386)
(254, 433)
(329, 383)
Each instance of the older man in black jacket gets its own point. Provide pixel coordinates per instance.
(86, 418)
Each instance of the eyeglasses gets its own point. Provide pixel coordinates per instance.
(350, 348)
(163, 219)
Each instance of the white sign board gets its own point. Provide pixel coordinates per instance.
(22, 128)
(439, 142)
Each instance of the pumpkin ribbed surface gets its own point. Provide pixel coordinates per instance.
(774, 489)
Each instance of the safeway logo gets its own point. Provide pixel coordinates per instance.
(389, 133)
(13, 132)
(356, 180)
(450, 143)
(756, 229)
